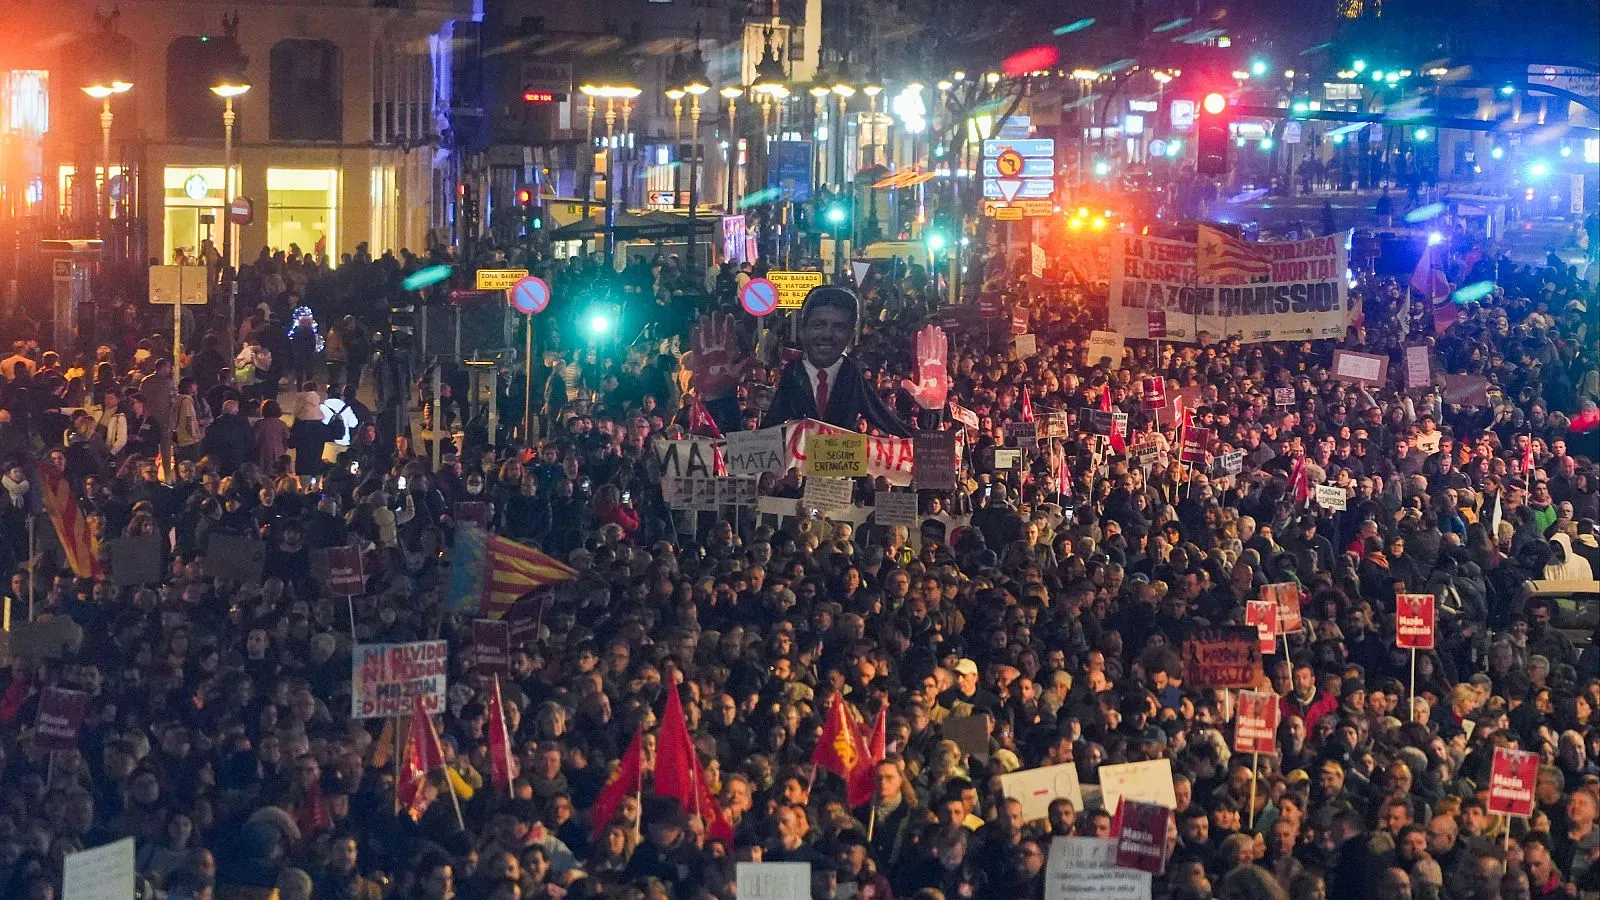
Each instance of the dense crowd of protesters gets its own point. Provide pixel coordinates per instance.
(219, 732)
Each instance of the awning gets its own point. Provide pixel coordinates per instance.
(647, 225)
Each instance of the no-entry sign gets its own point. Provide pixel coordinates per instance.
(530, 295)
(242, 211)
(759, 297)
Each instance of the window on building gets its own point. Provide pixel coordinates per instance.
(194, 64)
(306, 91)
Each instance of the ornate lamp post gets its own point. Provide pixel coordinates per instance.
(104, 89)
(731, 93)
(611, 87)
(692, 82)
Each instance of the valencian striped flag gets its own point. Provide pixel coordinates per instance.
(514, 570)
(83, 551)
(1220, 256)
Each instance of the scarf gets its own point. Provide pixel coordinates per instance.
(17, 490)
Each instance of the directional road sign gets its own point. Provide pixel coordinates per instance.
(1018, 171)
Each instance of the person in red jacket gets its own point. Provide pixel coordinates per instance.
(612, 507)
(1306, 700)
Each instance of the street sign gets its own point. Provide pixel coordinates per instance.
(242, 211)
(1291, 132)
(173, 284)
(793, 287)
(499, 279)
(759, 297)
(530, 296)
(1019, 175)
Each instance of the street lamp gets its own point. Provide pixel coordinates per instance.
(819, 91)
(843, 90)
(103, 90)
(228, 89)
(872, 89)
(731, 93)
(693, 82)
(611, 87)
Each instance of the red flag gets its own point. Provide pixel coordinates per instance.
(1527, 458)
(502, 765)
(1105, 397)
(72, 527)
(422, 755)
(700, 421)
(624, 782)
(1118, 444)
(1299, 484)
(840, 749)
(678, 771)
(1027, 407)
(864, 784)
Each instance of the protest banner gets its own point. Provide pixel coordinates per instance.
(477, 512)
(1104, 346)
(1052, 425)
(1024, 434)
(1027, 345)
(1283, 396)
(1414, 621)
(340, 569)
(963, 415)
(469, 559)
(1035, 788)
(895, 508)
(887, 457)
(1331, 497)
(935, 455)
(491, 646)
(101, 873)
(1085, 868)
(827, 495)
(1037, 260)
(773, 880)
(1222, 656)
(1263, 614)
(754, 452)
(387, 679)
(135, 560)
(1306, 296)
(1287, 597)
(1150, 782)
(1142, 836)
(45, 639)
(737, 490)
(1255, 724)
(1512, 776)
(60, 716)
(837, 456)
(1155, 393)
(1007, 458)
(1419, 367)
(1370, 369)
(1196, 441)
(1466, 390)
(695, 457)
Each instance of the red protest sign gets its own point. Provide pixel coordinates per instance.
(1414, 621)
(1196, 441)
(1155, 393)
(60, 716)
(1255, 728)
(1263, 614)
(1142, 836)
(1155, 323)
(491, 646)
(345, 577)
(1287, 597)
(1511, 781)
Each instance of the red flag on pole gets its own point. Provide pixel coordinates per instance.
(864, 784)
(1299, 484)
(700, 421)
(625, 781)
(840, 750)
(502, 765)
(1027, 407)
(423, 754)
(679, 773)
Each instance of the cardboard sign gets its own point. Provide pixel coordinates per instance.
(1155, 324)
(960, 414)
(1255, 726)
(1036, 788)
(1024, 434)
(103, 873)
(1231, 463)
(233, 557)
(1104, 345)
(476, 512)
(1142, 836)
(754, 452)
(1196, 441)
(1414, 621)
(1331, 497)
(1149, 782)
(828, 495)
(1419, 366)
(838, 456)
(491, 646)
(1007, 458)
(1429, 443)
(1287, 597)
(1052, 425)
(1037, 260)
(1283, 396)
(1370, 369)
(895, 508)
(135, 560)
(1263, 614)
(970, 733)
(50, 638)
(773, 880)
(1222, 656)
(933, 457)
(1027, 345)
(60, 716)
(1085, 868)
(340, 567)
(1155, 393)
(387, 679)
(1466, 390)
(1512, 777)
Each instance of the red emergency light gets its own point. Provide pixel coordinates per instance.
(1214, 103)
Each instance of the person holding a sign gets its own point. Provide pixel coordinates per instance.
(825, 383)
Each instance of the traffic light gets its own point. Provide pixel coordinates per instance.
(1211, 137)
(836, 217)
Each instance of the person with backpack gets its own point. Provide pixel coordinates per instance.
(309, 433)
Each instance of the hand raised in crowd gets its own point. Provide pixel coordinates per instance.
(932, 387)
(716, 361)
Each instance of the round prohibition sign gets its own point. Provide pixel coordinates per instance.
(1009, 163)
(530, 296)
(759, 297)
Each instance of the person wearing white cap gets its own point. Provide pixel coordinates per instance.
(967, 691)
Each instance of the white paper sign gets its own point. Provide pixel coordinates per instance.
(896, 508)
(754, 452)
(1005, 458)
(1035, 789)
(1149, 781)
(104, 873)
(1419, 370)
(827, 495)
(1038, 260)
(1429, 443)
(773, 881)
(1105, 344)
(1081, 868)
(1363, 368)
(1027, 345)
(1331, 497)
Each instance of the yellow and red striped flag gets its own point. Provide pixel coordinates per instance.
(516, 569)
(1220, 256)
(72, 526)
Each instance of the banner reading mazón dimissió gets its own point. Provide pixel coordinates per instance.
(1306, 298)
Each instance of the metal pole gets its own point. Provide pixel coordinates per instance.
(105, 169)
(733, 148)
(695, 269)
(438, 411)
(611, 184)
(527, 384)
(227, 181)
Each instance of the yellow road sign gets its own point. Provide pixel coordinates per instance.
(499, 279)
(793, 286)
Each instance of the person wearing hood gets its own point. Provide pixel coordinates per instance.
(1566, 565)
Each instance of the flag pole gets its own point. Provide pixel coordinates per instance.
(399, 751)
(33, 575)
(1255, 774)
(638, 794)
(511, 787)
(455, 800)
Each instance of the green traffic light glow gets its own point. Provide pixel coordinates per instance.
(1359, 65)
(1259, 67)
(836, 215)
(599, 324)
(936, 242)
(1420, 134)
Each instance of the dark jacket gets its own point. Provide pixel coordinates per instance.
(850, 397)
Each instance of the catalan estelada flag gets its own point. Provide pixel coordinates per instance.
(515, 569)
(1223, 258)
(72, 526)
